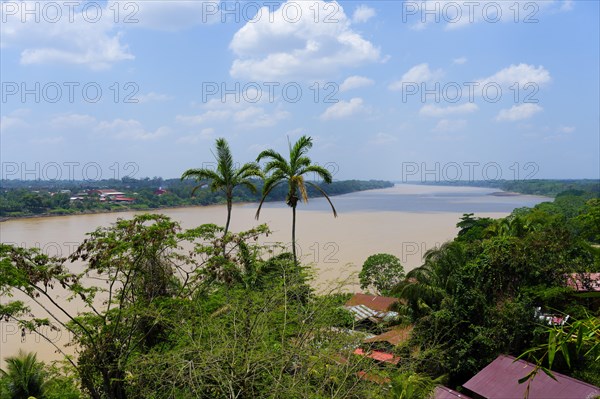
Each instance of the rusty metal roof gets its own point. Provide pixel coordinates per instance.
(441, 392)
(500, 380)
(395, 336)
(375, 302)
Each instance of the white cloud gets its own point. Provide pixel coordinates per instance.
(257, 148)
(460, 61)
(205, 117)
(343, 109)
(14, 120)
(47, 140)
(78, 41)
(439, 112)
(561, 133)
(11, 122)
(72, 121)
(418, 74)
(566, 129)
(255, 117)
(171, 15)
(449, 125)
(521, 74)
(567, 5)
(153, 97)
(276, 47)
(362, 14)
(355, 82)
(205, 134)
(518, 112)
(129, 130)
(243, 116)
(383, 138)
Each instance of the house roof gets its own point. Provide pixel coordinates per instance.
(500, 379)
(395, 336)
(108, 192)
(584, 282)
(375, 302)
(377, 355)
(441, 392)
(361, 312)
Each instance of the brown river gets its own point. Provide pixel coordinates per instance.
(405, 220)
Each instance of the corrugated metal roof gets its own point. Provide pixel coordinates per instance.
(375, 302)
(441, 392)
(500, 380)
(362, 312)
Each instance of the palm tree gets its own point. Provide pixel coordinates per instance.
(226, 177)
(25, 376)
(293, 173)
(426, 286)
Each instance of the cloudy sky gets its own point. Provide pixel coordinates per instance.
(398, 90)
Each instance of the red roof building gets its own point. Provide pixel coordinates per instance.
(375, 302)
(378, 356)
(500, 380)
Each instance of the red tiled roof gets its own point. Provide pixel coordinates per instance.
(379, 356)
(379, 303)
(500, 379)
(394, 336)
(584, 282)
(441, 392)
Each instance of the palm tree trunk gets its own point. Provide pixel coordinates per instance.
(229, 206)
(294, 234)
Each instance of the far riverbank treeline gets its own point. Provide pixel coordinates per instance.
(589, 188)
(21, 198)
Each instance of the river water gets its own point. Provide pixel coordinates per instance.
(405, 220)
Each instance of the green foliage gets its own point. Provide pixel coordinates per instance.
(381, 271)
(475, 297)
(575, 342)
(412, 386)
(24, 377)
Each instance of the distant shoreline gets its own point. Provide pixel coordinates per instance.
(101, 211)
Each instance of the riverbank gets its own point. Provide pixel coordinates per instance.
(19, 200)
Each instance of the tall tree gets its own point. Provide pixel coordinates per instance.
(226, 177)
(292, 172)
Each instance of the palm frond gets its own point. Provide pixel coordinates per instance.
(272, 154)
(325, 195)
(270, 184)
(318, 170)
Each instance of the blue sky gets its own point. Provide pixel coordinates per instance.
(398, 90)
